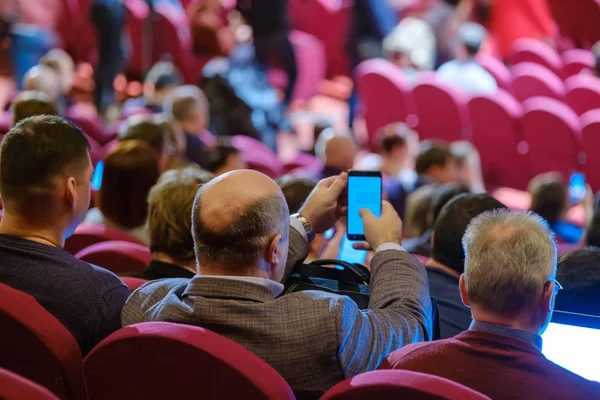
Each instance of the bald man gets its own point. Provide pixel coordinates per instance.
(42, 78)
(247, 245)
(337, 153)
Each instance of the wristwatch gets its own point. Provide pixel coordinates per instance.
(310, 232)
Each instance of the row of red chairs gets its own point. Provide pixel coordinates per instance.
(158, 360)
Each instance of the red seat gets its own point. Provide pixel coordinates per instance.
(37, 346)
(534, 80)
(258, 156)
(441, 111)
(495, 125)
(590, 132)
(553, 133)
(91, 125)
(15, 387)
(385, 95)
(575, 61)
(175, 361)
(137, 12)
(88, 234)
(397, 384)
(117, 256)
(583, 93)
(303, 160)
(133, 283)
(497, 69)
(584, 19)
(535, 51)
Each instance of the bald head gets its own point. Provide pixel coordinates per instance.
(42, 78)
(340, 152)
(235, 217)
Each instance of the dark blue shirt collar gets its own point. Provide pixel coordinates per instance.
(519, 334)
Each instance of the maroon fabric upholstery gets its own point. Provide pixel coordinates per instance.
(397, 384)
(117, 256)
(92, 126)
(132, 283)
(35, 345)
(258, 156)
(575, 61)
(160, 360)
(534, 80)
(303, 160)
(583, 93)
(553, 133)
(591, 142)
(137, 12)
(535, 51)
(88, 234)
(15, 387)
(385, 95)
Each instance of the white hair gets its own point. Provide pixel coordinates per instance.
(414, 37)
(509, 256)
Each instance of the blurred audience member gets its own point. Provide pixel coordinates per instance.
(468, 165)
(464, 72)
(189, 107)
(45, 174)
(439, 18)
(579, 274)
(130, 170)
(62, 63)
(510, 285)
(211, 36)
(447, 261)
(319, 128)
(149, 129)
(398, 148)
(338, 153)
(223, 158)
(159, 82)
(296, 191)
(592, 237)
(411, 47)
(176, 137)
(435, 164)
(246, 244)
(417, 210)
(170, 224)
(44, 79)
(29, 104)
(441, 196)
(550, 200)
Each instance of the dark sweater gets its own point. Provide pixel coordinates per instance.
(501, 367)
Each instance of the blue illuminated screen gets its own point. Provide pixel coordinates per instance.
(350, 254)
(97, 176)
(363, 192)
(574, 348)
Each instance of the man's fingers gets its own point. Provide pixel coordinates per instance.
(362, 246)
(387, 207)
(338, 186)
(327, 182)
(365, 213)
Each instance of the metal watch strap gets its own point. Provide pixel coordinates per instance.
(310, 232)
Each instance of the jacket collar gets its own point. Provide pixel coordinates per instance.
(227, 288)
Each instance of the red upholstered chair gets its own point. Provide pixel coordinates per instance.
(584, 19)
(37, 346)
(258, 156)
(590, 132)
(583, 93)
(132, 283)
(497, 69)
(495, 125)
(176, 361)
(535, 51)
(15, 387)
(534, 80)
(397, 384)
(575, 61)
(88, 234)
(91, 125)
(117, 256)
(303, 160)
(137, 12)
(385, 95)
(553, 132)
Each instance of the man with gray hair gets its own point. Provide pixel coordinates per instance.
(510, 284)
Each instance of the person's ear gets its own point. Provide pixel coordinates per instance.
(273, 256)
(71, 192)
(462, 284)
(548, 298)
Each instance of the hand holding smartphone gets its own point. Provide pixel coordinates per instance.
(364, 191)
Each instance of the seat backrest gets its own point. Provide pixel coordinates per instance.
(535, 51)
(15, 387)
(117, 256)
(590, 132)
(385, 95)
(132, 283)
(206, 363)
(37, 346)
(583, 93)
(553, 133)
(137, 13)
(497, 69)
(387, 384)
(534, 80)
(584, 17)
(258, 156)
(91, 125)
(495, 124)
(575, 61)
(88, 234)
(312, 65)
(303, 160)
(441, 110)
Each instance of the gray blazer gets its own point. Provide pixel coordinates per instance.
(313, 339)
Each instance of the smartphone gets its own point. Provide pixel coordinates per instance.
(577, 187)
(97, 176)
(350, 254)
(364, 191)
(328, 234)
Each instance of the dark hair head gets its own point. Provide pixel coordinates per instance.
(295, 190)
(182, 102)
(432, 153)
(472, 35)
(35, 153)
(170, 211)
(451, 226)
(579, 274)
(593, 232)
(145, 128)
(549, 196)
(130, 170)
(442, 195)
(394, 135)
(163, 74)
(216, 157)
(32, 103)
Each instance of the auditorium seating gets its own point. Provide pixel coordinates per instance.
(37, 346)
(137, 13)
(175, 361)
(15, 387)
(575, 61)
(117, 256)
(88, 234)
(133, 283)
(590, 133)
(303, 160)
(498, 70)
(535, 51)
(583, 93)
(534, 80)
(258, 155)
(397, 384)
